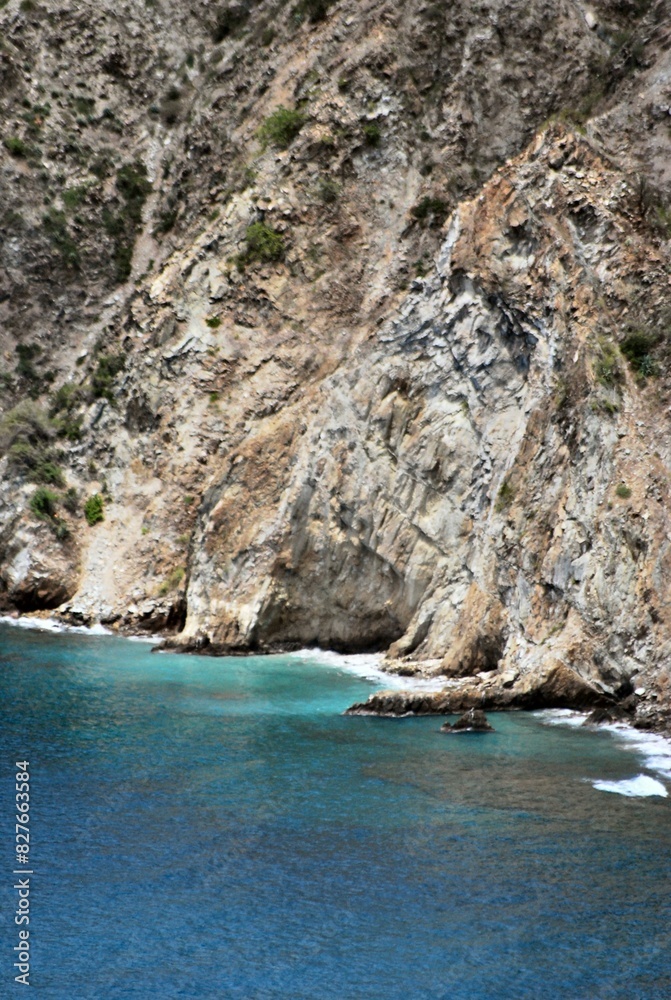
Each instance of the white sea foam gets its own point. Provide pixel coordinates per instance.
(52, 625)
(368, 666)
(654, 749)
(641, 786)
(561, 717)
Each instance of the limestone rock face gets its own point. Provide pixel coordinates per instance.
(37, 571)
(434, 421)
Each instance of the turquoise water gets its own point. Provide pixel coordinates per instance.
(216, 828)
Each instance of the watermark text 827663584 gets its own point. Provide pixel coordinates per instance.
(22, 885)
(22, 813)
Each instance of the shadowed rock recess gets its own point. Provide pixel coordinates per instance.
(345, 325)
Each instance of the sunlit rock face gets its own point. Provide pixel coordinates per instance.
(432, 420)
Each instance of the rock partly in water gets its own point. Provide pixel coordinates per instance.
(554, 685)
(473, 721)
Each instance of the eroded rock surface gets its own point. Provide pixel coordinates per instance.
(433, 422)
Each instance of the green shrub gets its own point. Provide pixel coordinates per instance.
(26, 421)
(372, 134)
(173, 580)
(46, 471)
(109, 366)
(281, 128)
(263, 243)
(60, 530)
(56, 228)
(26, 434)
(329, 191)
(607, 366)
(623, 491)
(71, 500)
(17, 147)
(637, 348)
(123, 261)
(94, 509)
(213, 322)
(43, 503)
(133, 185)
(430, 211)
(74, 196)
(65, 398)
(506, 496)
(27, 354)
(63, 403)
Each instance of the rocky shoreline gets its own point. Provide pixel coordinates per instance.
(559, 687)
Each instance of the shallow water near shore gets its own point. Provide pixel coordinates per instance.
(217, 828)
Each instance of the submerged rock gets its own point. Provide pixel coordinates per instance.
(473, 721)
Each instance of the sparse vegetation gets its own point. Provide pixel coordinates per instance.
(17, 147)
(26, 436)
(281, 128)
(172, 581)
(607, 366)
(263, 244)
(329, 190)
(102, 380)
(71, 500)
(623, 491)
(430, 211)
(505, 496)
(94, 509)
(43, 503)
(637, 348)
(133, 187)
(213, 322)
(372, 134)
(62, 412)
(55, 227)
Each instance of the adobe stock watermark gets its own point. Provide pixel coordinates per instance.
(22, 867)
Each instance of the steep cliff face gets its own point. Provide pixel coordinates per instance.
(385, 370)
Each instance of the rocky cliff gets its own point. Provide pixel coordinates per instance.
(345, 324)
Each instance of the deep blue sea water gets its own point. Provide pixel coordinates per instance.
(216, 828)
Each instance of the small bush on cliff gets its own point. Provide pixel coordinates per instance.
(623, 491)
(26, 436)
(172, 581)
(281, 128)
(55, 226)
(108, 367)
(372, 134)
(16, 146)
(505, 497)
(329, 191)
(94, 509)
(71, 500)
(607, 365)
(430, 211)
(43, 503)
(637, 348)
(263, 244)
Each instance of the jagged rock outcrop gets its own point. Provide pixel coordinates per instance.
(473, 721)
(463, 461)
